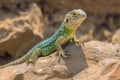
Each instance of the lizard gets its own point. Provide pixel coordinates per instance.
(65, 33)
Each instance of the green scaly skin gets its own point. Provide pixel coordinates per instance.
(65, 33)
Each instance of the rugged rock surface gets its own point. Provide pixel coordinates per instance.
(107, 69)
(103, 64)
(46, 68)
(20, 31)
(96, 51)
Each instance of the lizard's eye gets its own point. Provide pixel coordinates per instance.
(75, 14)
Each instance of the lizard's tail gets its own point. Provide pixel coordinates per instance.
(18, 61)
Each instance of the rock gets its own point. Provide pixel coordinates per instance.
(46, 68)
(102, 57)
(96, 51)
(106, 69)
(116, 37)
(51, 67)
(20, 31)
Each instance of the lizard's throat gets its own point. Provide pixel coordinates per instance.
(75, 26)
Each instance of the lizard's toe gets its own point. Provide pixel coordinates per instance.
(63, 54)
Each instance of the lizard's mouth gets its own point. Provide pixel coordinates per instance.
(76, 23)
(80, 19)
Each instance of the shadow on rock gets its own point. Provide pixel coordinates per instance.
(77, 62)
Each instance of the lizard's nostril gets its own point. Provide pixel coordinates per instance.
(82, 12)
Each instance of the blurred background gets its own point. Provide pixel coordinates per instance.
(24, 23)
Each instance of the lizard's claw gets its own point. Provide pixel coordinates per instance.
(79, 43)
(67, 54)
(63, 54)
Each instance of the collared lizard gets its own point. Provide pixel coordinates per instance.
(65, 33)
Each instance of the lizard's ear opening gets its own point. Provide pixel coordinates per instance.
(66, 20)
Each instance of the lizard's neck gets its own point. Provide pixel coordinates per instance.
(64, 30)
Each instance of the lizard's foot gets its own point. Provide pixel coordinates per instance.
(66, 53)
(31, 61)
(79, 43)
(63, 54)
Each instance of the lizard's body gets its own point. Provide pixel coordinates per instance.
(65, 33)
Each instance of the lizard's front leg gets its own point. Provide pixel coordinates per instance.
(34, 56)
(78, 42)
(59, 41)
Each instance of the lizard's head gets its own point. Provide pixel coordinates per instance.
(74, 18)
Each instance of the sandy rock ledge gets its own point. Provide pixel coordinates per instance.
(102, 59)
(22, 28)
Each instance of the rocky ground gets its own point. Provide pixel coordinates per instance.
(24, 23)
